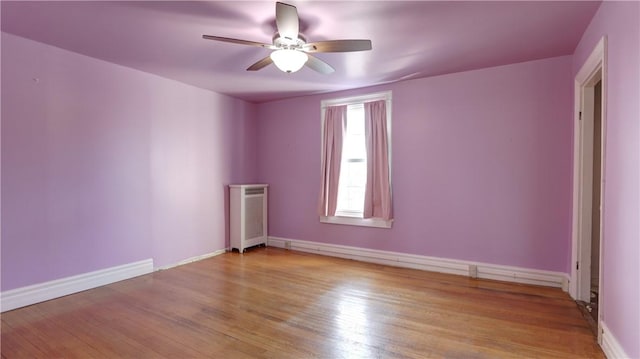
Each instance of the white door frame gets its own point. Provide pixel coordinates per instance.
(594, 69)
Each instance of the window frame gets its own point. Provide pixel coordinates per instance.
(360, 99)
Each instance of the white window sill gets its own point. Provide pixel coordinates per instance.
(353, 221)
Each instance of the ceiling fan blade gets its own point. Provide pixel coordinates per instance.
(316, 64)
(338, 46)
(260, 64)
(287, 21)
(237, 41)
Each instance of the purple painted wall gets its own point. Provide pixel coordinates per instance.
(620, 22)
(481, 167)
(103, 165)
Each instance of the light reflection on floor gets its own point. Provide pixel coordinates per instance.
(352, 325)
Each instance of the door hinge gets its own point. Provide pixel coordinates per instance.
(577, 265)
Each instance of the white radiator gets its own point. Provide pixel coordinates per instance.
(248, 215)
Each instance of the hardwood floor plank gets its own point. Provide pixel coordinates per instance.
(273, 303)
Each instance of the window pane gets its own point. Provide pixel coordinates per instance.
(353, 173)
(357, 174)
(354, 146)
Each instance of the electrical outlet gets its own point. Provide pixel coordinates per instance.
(473, 271)
(287, 244)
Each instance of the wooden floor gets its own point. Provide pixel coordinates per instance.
(272, 303)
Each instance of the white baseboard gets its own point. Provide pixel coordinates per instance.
(21, 297)
(194, 259)
(434, 264)
(610, 345)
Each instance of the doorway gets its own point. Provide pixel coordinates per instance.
(592, 305)
(589, 132)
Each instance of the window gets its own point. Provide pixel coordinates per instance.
(356, 168)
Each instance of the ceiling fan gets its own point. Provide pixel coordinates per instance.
(291, 48)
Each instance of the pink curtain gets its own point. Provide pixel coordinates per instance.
(377, 197)
(334, 129)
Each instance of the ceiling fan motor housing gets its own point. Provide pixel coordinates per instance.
(287, 43)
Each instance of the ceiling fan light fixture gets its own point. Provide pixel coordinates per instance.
(288, 60)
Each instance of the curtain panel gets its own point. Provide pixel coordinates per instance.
(377, 200)
(334, 130)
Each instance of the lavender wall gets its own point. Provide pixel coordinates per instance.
(104, 165)
(200, 142)
(620, 22)
(481, 167)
